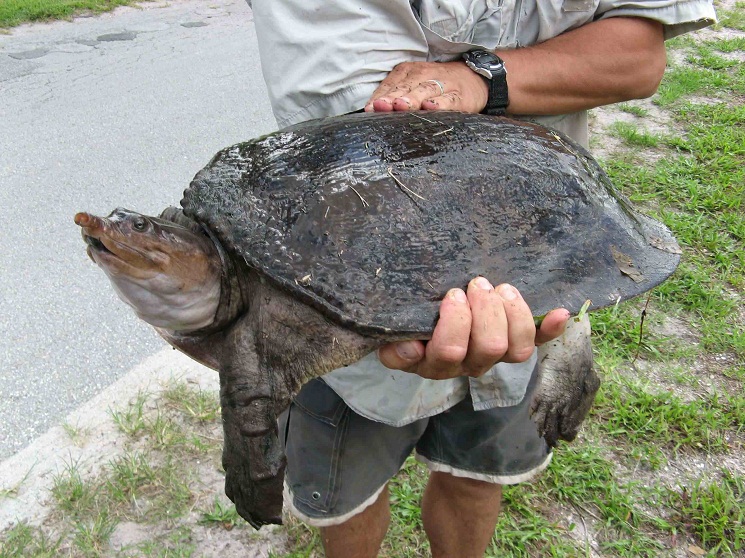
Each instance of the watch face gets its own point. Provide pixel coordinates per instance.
(483, 62)
(485, 58)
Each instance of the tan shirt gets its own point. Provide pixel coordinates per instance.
(326, 57)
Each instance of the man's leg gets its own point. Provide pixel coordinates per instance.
(471, 454)
(338, 467)
(361, 535)
(459, 515)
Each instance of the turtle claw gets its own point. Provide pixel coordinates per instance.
(568, 383)
(254, 477)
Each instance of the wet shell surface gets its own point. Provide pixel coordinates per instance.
(371, 218)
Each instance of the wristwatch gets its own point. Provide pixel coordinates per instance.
(491, 68)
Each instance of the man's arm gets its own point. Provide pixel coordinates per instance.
(603, 62)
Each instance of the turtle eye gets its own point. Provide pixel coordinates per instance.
(139, 224)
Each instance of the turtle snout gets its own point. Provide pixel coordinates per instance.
(89, 223)
(92, 228)
(83, 219)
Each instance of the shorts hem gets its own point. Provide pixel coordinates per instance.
(485, 477)
(328, 521)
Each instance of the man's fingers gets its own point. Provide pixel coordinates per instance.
(430, 86)
(441, 358)
(379, 105)
(449, 344)
(428, 89)
(404, 355)
(521, 329)
(488, 342)
(552, 326)
(452, 100)
(395, 84)
(475, 331)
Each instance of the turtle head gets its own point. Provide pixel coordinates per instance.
(168, 271)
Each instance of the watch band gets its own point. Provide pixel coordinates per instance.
(491, 68)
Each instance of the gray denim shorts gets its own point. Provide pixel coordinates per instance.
(338, 462)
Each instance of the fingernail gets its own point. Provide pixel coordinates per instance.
(405, 100)
(483, 283)
(507, 292)
(407, 350)
(458, 295)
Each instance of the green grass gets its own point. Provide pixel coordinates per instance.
(636, 110)
(92, 534)
(224, 515)
(632, 136)
(195, 404)
(72, 493)
(129, 476)
(130, 420)
(153, 480)
(640, 417)
(621, 335)
(714, 511)
(76, 434)
(681, 82)
(177, 543)
(12, 491)
(726, 45)
(700, 195)
(733, 19)
(15, 12)
(23, 541)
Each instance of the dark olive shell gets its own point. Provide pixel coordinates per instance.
(371, 218)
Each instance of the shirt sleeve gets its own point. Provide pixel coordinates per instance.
(677, 17)
(326, 57)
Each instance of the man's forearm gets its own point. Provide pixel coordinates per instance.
(603, 62)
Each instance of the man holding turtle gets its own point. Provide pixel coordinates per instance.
(462, 400)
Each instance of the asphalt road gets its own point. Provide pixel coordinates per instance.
(115, 110)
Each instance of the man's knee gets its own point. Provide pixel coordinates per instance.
(362, 534)
(464, 486)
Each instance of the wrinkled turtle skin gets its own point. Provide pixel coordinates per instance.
(302, 251)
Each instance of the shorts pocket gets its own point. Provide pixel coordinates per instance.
(321, 402)
(315, 431)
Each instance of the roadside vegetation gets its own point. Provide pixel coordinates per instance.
(658, 469)
(16, 12)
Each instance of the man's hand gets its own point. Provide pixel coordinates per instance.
(416, 86)
(558, 76)
(475, 330)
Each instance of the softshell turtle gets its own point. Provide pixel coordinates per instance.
(301, 251)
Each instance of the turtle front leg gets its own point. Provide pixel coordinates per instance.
(268, 355)
(252, 456)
